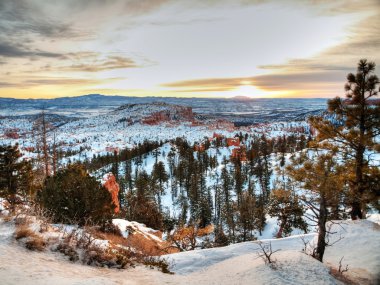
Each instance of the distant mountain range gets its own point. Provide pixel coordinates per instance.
(102, 100)
(88, 100)
(240, 109)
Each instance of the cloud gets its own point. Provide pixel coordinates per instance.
(60, 81)
(7, 84)
(10, 50)
(363, 42)
(37, 81)
(270, 82)
(112, 62)
(21, 17)
(63, 19)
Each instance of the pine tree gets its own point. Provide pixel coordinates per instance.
(142, 206)
(322, 179)
(355, 132)
(284, 205)
(227, 203)
(247, 218)
(159, 177)
(128, 174)
(115, 165)
(13, 173)
(73, 196)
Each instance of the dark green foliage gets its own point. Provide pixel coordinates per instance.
(15, 174)
(220, 238)
(159, 177)
(285, 205)
(73, 196)
(248, 218)
(109, 227)
(142, 206)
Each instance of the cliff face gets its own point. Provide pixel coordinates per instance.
(109, 182)
(171, 113)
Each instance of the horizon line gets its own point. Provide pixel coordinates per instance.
(177, 97)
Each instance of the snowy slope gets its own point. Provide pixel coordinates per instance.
(235, 264)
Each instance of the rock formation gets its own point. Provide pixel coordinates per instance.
(109, 182)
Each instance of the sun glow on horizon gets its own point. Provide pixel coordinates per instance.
(247, 89)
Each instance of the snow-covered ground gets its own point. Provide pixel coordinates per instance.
(234, 264)
(124, 128)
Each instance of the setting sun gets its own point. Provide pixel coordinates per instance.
(249, 91)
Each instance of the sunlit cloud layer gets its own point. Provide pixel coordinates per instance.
(184, 48)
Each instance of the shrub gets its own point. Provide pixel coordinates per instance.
(110, 228)
(23, 232)
(160, 263)
(68, 250)
(35, 242)
(73, 196)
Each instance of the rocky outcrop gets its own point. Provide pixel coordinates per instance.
(171, 113)
(144, 239)
(109, 182)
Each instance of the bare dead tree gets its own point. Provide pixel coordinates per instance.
(40, 131)
(341, 270)
(266, 253)
(44, 143)
(305, 243)
(54, 154)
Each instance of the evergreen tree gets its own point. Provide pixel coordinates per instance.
(284, 205)
(115, 165)
(355, 132)
(142, 205)
(247, 221)
(73, 196)
(322, 179)
(227, 203)
(16, 175)
(159, 177)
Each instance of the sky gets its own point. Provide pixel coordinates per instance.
(189, 48)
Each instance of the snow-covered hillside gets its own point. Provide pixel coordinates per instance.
(125, 127)
(234, 264)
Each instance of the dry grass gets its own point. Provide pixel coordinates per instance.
(339, 276)
(33, 240)
(69, 251)
(35, 243)
(162, 264)
(23, 231)
(7, 218)
(117, 255)
(22, 220)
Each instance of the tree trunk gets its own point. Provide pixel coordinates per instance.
(282, 225)
(357, 212)
(322, 219)
(44, 145)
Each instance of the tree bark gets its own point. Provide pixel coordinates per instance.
(322, 219)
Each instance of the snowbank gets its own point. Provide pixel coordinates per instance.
(127, 227)
(360, 247)
(234, 264)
